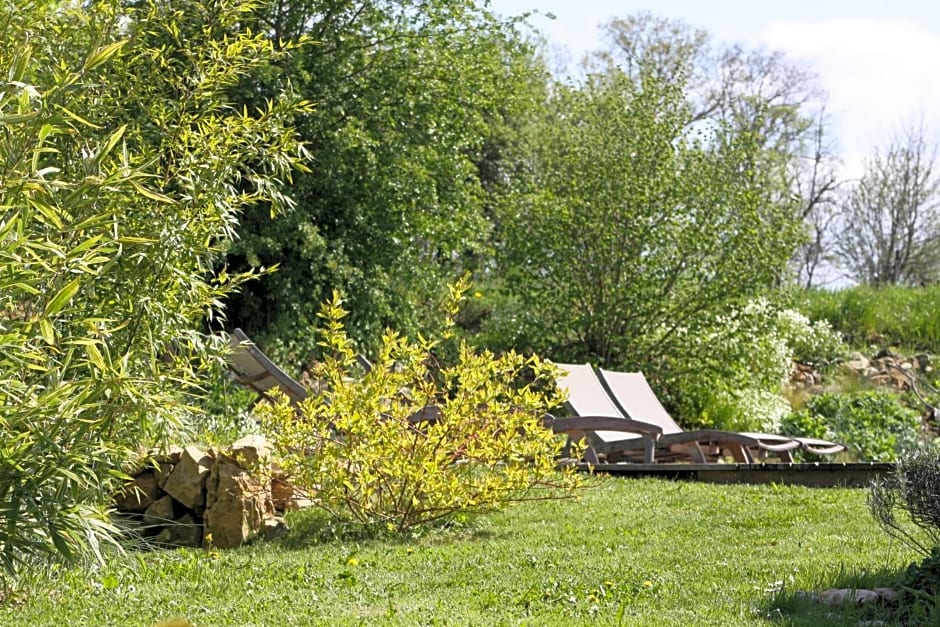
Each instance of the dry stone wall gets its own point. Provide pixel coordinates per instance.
(195, 497)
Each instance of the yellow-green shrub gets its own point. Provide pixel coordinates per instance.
(354, 443)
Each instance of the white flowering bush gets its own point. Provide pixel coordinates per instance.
(736, 369)
(812, 342)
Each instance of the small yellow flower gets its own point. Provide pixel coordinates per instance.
(352, 561)
(647, 584)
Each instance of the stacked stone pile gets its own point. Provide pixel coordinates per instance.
(886, 369)
(195, 497)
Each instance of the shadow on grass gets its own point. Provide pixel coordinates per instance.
(802, 608)
(314, 527)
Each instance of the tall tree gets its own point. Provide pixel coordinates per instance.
(812, 176)
(759, 92)
(405, 93)
(634, 224)
(890, 220)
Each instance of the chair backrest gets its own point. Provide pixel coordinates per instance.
(588, 397)
(586, 394)
(632, 392)
(253, 369)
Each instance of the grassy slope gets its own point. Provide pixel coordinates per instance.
(633, 552)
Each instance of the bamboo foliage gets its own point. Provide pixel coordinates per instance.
(119, 181)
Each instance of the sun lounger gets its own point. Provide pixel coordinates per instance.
(633, 394)
(250, 367)
(629, 397)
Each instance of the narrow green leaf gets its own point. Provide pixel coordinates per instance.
(16, 118)
(8, 226)
(64, 295)
(48, 212)
(88, 243)
(93, 221)
(102, 54)
(152, 195)
(29, 289)
(95, 357)
(74, 116)
(48, 332)
(18, 68)
(110, 144)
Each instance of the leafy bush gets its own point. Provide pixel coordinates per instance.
(814, 343)
(919, 590)
(728, 370)
(738, 383)
(124, 172)
(874, 425)
(357, 446)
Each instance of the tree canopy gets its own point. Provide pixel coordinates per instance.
(405, 95)
(634, 221)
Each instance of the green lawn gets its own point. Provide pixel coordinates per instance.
(630, 552)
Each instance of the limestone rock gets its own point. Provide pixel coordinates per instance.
(162, 472)
(282, 494)
(160, 512)
(237, 505)
(138, 494)
(187, 482)
(171, 456)
(252, 451)
(183, 532)
(840, 596)
(858, 362)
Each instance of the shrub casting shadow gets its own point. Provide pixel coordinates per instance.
(314, 527)
(801, 608)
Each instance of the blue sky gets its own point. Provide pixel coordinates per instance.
(878, 60)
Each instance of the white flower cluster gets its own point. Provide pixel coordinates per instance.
(811, 342)
(753, 349)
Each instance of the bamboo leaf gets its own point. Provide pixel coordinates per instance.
(65, 294)
(110, 144)
(88, 243)
(152, 195)
(48, 212)
(94, 356)
(102, 54)
(29, 289)
(74, 116)
(18, 68)
(16, 118)
(48, 332)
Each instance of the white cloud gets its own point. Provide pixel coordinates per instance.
(880, 75)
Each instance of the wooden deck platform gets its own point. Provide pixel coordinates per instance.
(809, 474)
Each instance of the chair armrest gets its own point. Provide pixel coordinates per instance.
(602, 423)
(820, 447)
